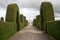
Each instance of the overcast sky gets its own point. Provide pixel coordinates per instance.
(29, 8)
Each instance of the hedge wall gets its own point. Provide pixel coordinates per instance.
(34, 22)
(23, 21)
(21, 18)
(22, 25)
(38, 21)
(2, 19)
(46, 12)
(53, 28)
(7, 29)
(12, 14)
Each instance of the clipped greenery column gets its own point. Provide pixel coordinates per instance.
(47, 13)
(12, 15)
(21, 18)
(38, 21)
(2, 19)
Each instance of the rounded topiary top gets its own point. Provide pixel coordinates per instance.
(2, 19)
(46, 11)
(12, 13)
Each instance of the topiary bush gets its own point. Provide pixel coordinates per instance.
(21, 17)
(26, 23)
(23, 21)
(12, 14)
(34, 22)
(38, 21)
(47, 13)
(21, 26)
(53, 29)
(7, 29)
(2, 19)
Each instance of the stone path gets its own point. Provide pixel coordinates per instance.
(30, 33)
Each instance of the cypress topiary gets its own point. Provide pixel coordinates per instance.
(21, 18)
(23, 21)
(34, 22)
(38, 21)
(2, 19)
(12, 14)
(47, 13)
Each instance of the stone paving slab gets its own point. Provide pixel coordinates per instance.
(30, 33)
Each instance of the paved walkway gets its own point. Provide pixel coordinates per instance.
(30, 33)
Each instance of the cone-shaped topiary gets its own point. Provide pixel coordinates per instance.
(2, 19)
(46, 12)
(12, 15)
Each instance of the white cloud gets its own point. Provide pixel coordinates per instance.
(30, 13)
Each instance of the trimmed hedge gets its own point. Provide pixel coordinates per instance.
(21, 25)
(23, 21)
(2, 19)
(21, 18)
(53, 28)
(26, 22)
(12, 14)
(7, 29)
(47, 13)
(37, 22)
(34, 22)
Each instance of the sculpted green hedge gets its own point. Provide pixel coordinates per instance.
(34, 22)
(53, 28)
(23, 21)
(2, 19)
(12, 15)
(46, 12)
(12, 23)
(37, 22)
(7, 29)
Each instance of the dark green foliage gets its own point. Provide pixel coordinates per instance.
(46, 12)
(26, 23)
(23, 21)
(21, 17)
(12, 15)
(53, 28)
(7, 29)
(37, 22)
(21, 25)
(2, 19)
(34, 22)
